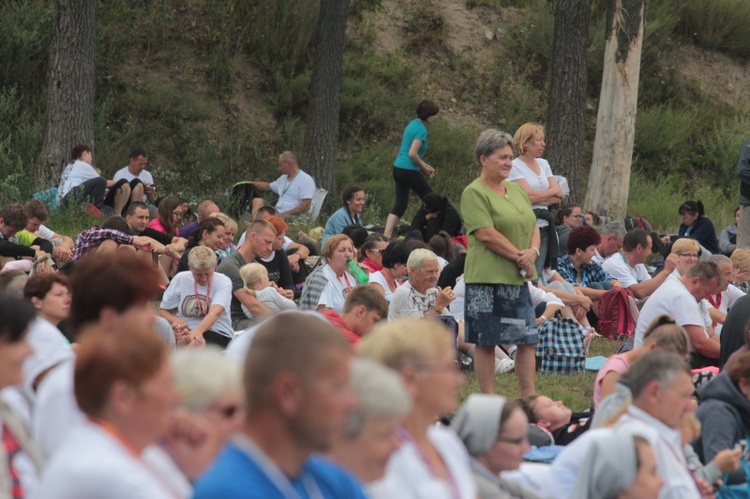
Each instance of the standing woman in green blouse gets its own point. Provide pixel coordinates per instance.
(503, 245)
(409, 169)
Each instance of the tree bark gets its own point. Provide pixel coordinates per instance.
(609, 181)
(69, 118)
(566, 125)
(321, 135)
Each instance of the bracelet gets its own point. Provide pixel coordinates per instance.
(543, 318)
(438, 311)
(536, 250)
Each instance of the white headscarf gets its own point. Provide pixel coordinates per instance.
(477, 423)
(610, 466)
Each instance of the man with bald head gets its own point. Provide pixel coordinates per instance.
(297, 396)
(294, 187)
(205, 209)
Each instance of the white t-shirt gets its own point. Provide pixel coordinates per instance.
(672, 298)
(618, 268)
(598, 258)
(74, 175)
(291, 193)
(409, 477)
(92, 464)
(56, 413)
(520, 171)
(379, 278)
(540, 296)
(45, 232)
(145, 177)
(408, 302)
(273, 300)
(180, 295)
(728, 298)
(334, 294)
(50, 349)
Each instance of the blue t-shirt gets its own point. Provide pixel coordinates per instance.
(416, 130)
(235, 474)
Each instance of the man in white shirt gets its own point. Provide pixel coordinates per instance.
(682, 298)
(137, 177)
(294, 187)
(627, 266)
(80, 181)
(662, 388)
(612, 236)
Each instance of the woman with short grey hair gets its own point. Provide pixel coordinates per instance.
(419, 296)
(503, 247)
(370, 435)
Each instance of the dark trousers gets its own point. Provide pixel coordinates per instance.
(109, 200)
(217, 339)
(91, 191)
(407, 180)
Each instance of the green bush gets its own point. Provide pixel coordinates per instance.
(717, 24)
(425, 27)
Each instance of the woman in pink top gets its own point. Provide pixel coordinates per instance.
(170, 212)
(663, 334)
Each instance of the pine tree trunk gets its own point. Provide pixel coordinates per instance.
(321, 135)
(567, 104)
(615, 123)
(69, 117)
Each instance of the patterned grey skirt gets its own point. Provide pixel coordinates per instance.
(497, 314)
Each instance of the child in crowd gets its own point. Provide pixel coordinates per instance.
(255, 277)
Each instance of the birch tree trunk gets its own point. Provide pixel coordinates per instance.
(321, 134)
(69, 118)
(566, 125)
(609, 180)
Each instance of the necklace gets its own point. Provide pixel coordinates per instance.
(288, 183)
(389, 280)
(198, 301)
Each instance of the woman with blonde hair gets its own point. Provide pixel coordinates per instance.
(226, 245)
(534, 174)
(326, 288)
(662, 334)
(688, 252)
(255, 277)
(432, 462)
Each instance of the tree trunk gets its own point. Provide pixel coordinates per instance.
(615, 123)
(321, 135)
(567, 104)
(69, 118)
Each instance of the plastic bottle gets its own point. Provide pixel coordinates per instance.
(357, 271)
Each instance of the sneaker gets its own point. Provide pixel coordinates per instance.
(504, 366)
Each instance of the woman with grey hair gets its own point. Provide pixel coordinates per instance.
(495, 432)
(503, 246)
(419, 296)
(370, 435)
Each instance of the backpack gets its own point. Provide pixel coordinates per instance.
(637, 223)
(561, 349)
(618, 313)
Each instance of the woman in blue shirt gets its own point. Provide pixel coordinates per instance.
(349, 214)
(409, 170)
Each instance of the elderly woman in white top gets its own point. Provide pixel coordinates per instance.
(495, 432)
(370, 435)
(432, 463)
(419, 296)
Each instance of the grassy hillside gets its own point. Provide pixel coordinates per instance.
(215, 89)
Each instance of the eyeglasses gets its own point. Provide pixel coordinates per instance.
(377, 250)
(513, 441)
(688, 255)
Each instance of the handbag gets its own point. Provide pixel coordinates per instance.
(561, 348)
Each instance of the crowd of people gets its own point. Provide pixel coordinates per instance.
(153, 356)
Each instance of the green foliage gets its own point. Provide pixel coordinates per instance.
(717, 24)
(20, 138)
(658, 198)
